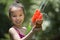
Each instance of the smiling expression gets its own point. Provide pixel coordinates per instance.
(17, 16)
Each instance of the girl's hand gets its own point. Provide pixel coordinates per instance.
(38, 25)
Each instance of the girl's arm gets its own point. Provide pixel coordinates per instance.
(29, 35)
(35, 28)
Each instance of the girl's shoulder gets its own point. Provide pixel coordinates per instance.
(24, 28)
(11, 29)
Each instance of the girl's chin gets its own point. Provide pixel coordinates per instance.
(17, 24)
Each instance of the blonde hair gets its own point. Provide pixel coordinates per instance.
(19, 5)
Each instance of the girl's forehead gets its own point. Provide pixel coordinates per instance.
(16, 9)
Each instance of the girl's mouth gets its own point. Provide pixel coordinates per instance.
(18, 22)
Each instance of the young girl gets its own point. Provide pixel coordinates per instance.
(17, 32)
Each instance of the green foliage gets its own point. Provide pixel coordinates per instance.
(52, 32)
(51, 14)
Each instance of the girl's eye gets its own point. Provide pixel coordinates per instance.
(14, 16)
(20, 15)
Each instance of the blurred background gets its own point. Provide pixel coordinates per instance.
(51, 18)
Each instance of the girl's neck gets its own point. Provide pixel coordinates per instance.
(17, 26)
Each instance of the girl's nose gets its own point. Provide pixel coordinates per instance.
(17, 18)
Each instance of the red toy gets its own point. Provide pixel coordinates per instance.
(37, 15)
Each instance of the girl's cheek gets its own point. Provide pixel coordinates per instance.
(13, 19)
(22, 17)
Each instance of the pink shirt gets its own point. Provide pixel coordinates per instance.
(20, 35)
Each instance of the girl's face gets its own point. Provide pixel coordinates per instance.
(17, 16)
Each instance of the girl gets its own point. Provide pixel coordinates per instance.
(17, 32)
